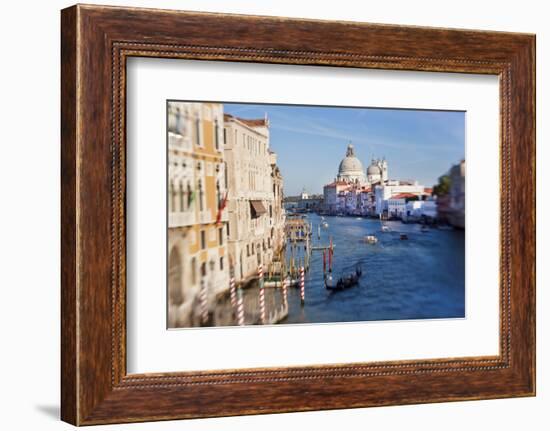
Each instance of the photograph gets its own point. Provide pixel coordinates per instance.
(297, 214)
(264, 210)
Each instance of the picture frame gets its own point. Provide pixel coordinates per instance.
(96, 42)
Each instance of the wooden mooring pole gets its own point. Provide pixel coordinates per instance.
(262, 294)
(302, 286)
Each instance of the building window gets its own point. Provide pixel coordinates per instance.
(189, 196)
(218, 195)
(247, 250)
(221, 263)
(225, 174)
(172, 193)
(203, 239)
(217, 134)
(203, 269)
(220, 235)
(227, 225)
(197, 131)
(201, 195)
(180, 122)
(194, 270)
(182, 197)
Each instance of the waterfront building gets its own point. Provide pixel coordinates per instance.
(355, 193)
(397, 205)
(304, 202)
(426, 209)
(255, 191)
(451, 206)
(277, 234)
(390, 190)
(331, 193)
(367, 203)
(197, 222)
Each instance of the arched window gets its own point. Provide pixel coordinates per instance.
(218, 195)
(197, 130)
(179, 122)
(189, 195)
(182, 197)
(172, 118)
(217, 134)
(201, 195)
(225, 174)
(171, 196)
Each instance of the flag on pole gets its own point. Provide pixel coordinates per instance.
(221, 208)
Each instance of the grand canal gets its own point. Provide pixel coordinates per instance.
(418, 278)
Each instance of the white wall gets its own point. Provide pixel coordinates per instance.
(29, 219)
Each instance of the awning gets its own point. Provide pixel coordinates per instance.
(257, 208)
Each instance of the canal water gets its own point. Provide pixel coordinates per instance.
(418, 278)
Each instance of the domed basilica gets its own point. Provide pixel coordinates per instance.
(351, 170)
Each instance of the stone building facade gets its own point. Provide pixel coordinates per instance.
(197, 223)
(255, 191)
(452, 206)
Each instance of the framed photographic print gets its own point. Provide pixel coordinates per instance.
(322, 214)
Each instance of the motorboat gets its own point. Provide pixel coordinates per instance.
(385, 228)
(403, 236)
(370, 239)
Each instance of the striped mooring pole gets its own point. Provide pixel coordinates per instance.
(286, 282)
(203, 297)
(262, 293)
(302, 286)
(240, 308)
(232, 290)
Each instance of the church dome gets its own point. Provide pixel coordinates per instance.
(373, 170)
(350, 165)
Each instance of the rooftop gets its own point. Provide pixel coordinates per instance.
(403, 196)
(250, 122)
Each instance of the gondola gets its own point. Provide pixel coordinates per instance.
(345, 281)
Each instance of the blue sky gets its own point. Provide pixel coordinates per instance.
(310, 141)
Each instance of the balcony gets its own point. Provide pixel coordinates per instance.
(180, 219)
(179, 142)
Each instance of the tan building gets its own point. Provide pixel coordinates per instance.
(197, 221)
(256, 217)
(278, 217)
